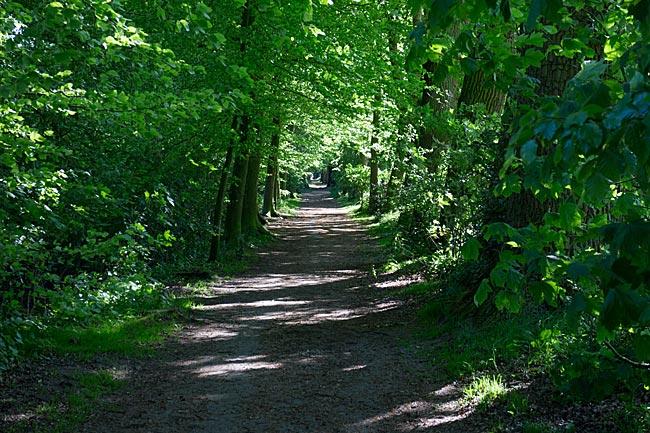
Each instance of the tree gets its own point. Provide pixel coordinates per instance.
(270, 197)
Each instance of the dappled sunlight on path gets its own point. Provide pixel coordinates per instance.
(303, 341)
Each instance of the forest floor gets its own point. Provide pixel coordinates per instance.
(309, 339)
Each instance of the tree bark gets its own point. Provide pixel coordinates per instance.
(330, 179)
(217, 216)
(438, 98)
(276, 188)
(269, 203)
(373, 201)
(250, 220)
(476, 90)
(394, 180)
(552, 76)
(232, 231)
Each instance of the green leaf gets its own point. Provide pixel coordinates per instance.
(482, 293)
(570, 216)
(506, 277)
(546, 129)
(182, 24)
(535, 11)
(470, 249)
(511, 184)
(642, 347)
(469, 65)
(621, 307)
(308, 15)
(544, 291)
(216, 39)
(507, 300)
(611, 165)
(597, 188)
(641, 12)
(439, 14)
(591, 71)
(529, 152)
(577, 270)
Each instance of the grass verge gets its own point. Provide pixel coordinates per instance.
(66, 412)
(64, 373)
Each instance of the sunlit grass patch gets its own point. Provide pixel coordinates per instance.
(485, 390)
(289, 205)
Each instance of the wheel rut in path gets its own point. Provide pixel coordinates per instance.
(303, 341)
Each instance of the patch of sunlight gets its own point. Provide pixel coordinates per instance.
(485, 389)
(417, 415)
(196, 361)
(258, 304)
(398, 283)
(311, 317)
(354, 368)
(410, 410)
(232, 368)
(246, 358)
(272, 282)
(214, 333)
(18, 417)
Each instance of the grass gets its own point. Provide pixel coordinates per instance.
(133, 336)
(67, 412)
(418, 289)
(69, 407)
(468, 346)
(484, 390)
(289, 205)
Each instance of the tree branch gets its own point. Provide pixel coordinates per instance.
(625, 359)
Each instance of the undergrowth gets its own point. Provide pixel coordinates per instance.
(489, 351)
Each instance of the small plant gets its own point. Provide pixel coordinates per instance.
(517, 404)
(634, 418)
(485, 390)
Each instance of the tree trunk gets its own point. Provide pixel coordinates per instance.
(476, 90)
(394, 180)
(552, 76)
(276, 188)
(217, 216)
(232, 231)
(250, 220)
(330, 179)
(373, 201)
(438, 98)
(269, 204)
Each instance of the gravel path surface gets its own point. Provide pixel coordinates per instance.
(306, 340)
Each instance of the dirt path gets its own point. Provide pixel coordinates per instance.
(305, 341)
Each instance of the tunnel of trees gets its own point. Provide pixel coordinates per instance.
(508, 140)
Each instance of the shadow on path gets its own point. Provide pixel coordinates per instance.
(301, 342)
